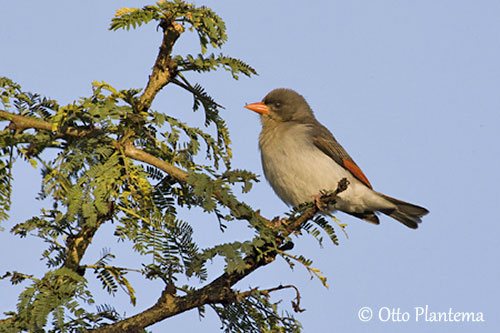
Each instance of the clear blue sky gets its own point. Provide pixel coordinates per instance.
(410, 88)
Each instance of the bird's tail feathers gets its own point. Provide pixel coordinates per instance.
(405, 212)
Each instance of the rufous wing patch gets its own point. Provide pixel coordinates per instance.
(356, 171)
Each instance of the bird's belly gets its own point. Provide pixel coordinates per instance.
(295, 180)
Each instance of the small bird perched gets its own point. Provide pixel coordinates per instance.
(301, 158)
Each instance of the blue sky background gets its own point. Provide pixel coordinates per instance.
(410, 88)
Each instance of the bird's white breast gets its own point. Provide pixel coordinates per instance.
(297, 170)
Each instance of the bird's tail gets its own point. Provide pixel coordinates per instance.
(406, 213)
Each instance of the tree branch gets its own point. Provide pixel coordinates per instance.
(140, 155)
(21, 123)
(164, 67)
(219, 290)
(77, 244)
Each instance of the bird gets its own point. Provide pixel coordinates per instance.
(301, 159)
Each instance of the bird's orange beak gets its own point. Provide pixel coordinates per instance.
(258, 107)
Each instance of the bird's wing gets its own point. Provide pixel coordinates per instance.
(325, 141)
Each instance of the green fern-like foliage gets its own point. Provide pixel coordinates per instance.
(5, 188)
(91, 180)
(211, 31)
(210, 28)
(212, 62)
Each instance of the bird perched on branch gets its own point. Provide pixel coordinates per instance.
(301, 158)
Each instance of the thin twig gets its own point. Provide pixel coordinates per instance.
(111, 267)
(266, 292)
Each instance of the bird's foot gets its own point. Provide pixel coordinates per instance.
(316, 199)
(278, 222)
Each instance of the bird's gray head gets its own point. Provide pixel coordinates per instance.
(287, 105)
(283, 105)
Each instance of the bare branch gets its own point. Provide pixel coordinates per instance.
(164, 68)
(266, 292)
(21, 123)
(140, 155)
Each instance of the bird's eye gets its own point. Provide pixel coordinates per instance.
(277, 104)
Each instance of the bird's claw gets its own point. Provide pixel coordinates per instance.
(278, 222)
(316, 199)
